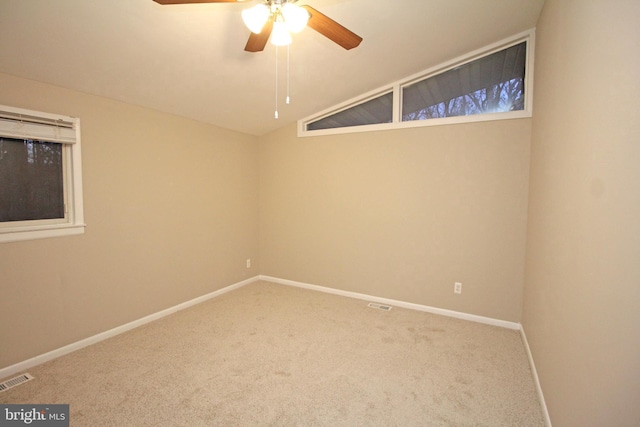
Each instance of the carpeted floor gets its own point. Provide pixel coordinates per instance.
(274, 355)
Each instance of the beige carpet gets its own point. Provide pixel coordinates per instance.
(273, 355)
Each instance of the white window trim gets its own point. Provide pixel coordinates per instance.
(74, 221)
(397, 123)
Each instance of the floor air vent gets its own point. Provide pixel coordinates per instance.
(380, 306)
(6, 385)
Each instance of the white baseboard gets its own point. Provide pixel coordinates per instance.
(37, 360)
(412, 306)
(545, 411)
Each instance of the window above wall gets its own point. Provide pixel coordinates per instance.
(373, 111)
(493, 83)
(40, 175)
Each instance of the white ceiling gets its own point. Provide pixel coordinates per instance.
(189, 60)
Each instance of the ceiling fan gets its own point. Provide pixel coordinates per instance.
(278, 18)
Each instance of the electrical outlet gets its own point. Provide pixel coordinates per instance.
(457, 287)
(248, 262)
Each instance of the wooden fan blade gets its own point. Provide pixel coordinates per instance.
(257, 42)
(331, 29)
(194, 1)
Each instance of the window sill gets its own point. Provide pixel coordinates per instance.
(33, 233)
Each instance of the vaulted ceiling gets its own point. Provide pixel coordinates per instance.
(189, 60)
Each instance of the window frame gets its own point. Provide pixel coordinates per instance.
(527, 36)
(73, 221)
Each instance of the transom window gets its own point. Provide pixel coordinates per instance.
(489, 84)
(376, 110)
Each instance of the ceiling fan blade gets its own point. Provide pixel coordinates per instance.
(331, 29)
(194, 1)
(257, 42)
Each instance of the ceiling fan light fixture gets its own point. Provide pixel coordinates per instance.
(255, 17)
(280, 35)
(295, 17)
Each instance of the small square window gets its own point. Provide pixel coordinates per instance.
(40, 175)
(33, 180)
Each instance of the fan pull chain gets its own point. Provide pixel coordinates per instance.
(288, 49)
(276, 114)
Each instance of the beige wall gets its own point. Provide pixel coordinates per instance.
(174, 207)
(582, 293)
(172, 212)
(171, 208)
(401, 214)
